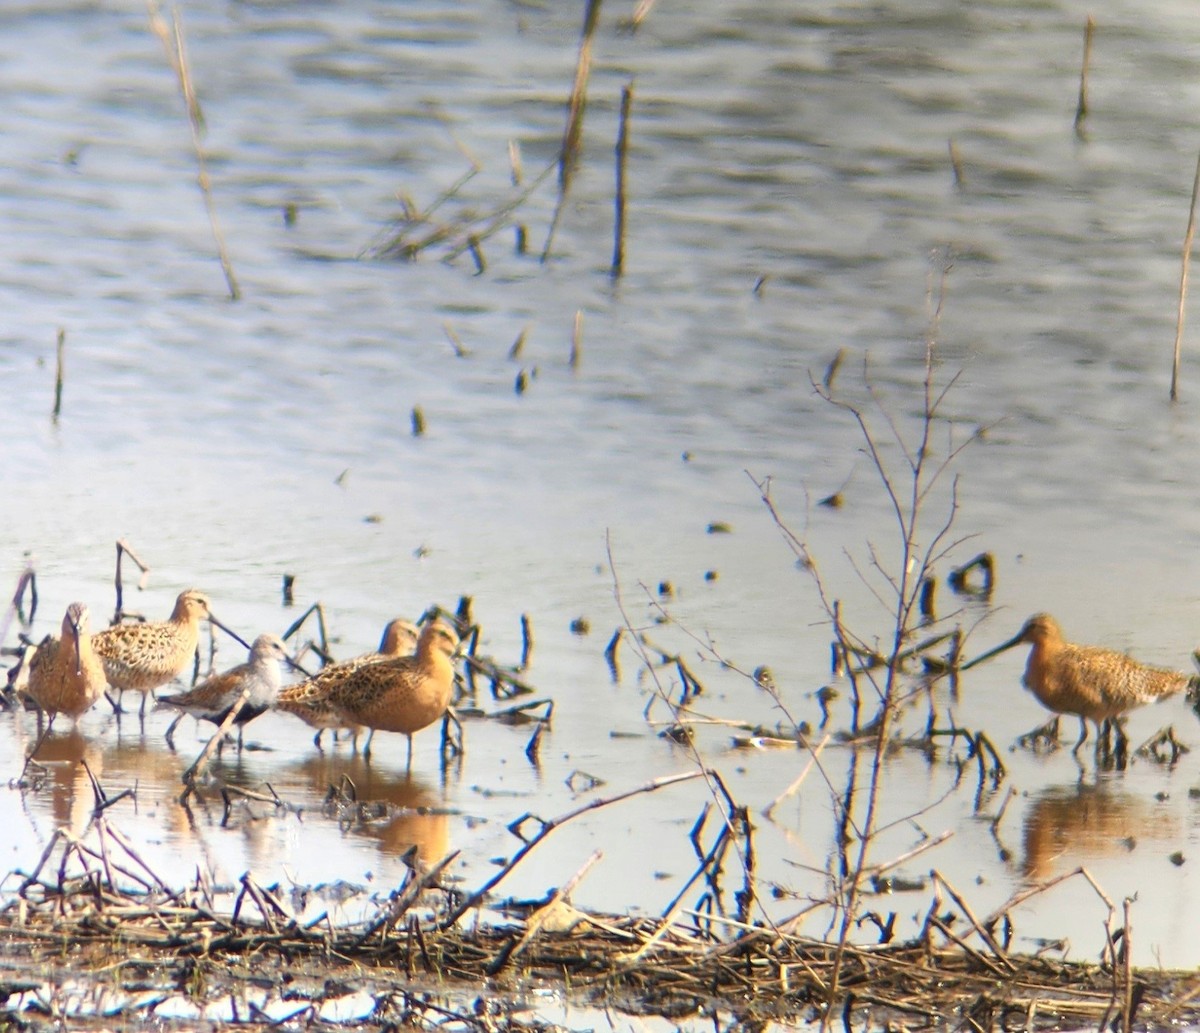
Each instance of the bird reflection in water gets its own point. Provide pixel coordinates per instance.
(400, 811)
(1075, 825)
(62, 757)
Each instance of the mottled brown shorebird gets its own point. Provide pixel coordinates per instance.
(145, 656)
(1093, 683)
(309, 700)
(404, 694)
(65, 674)
(260, 677)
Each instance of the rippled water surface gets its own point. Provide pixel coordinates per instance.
(790, 194)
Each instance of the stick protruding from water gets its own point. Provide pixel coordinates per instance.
(618, 259)
(1081, 109)
(1188, 237)
(58, 373)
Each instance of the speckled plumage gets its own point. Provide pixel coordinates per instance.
(309, 700)
(404, 694)
(1091, 682)
(212, 699)
(145, 656)
(65, 674)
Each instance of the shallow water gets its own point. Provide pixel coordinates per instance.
(232, 443)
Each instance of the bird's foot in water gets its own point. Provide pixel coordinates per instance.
(1044, 737)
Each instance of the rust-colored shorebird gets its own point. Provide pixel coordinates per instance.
(309, 700)
(1093, 683)
(403, 695)
(65, 674)
(260, 678)
(145, 656)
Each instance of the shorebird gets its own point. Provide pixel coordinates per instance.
(145, 656)
(260, 678)
(1095, 684)
(403, 695)
(309, 700)
(65, 674)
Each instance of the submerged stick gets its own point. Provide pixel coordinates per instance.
(172, 41)
(1081, 109)
(1188, 237)
(618, 260)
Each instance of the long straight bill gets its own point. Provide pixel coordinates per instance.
(1016, 640)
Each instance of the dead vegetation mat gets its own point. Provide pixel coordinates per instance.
(144, 949)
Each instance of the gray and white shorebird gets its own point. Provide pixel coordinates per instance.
(260, 679)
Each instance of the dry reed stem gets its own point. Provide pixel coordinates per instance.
(58, 373)
(568, 155)
(618, 259)
(1081, 108)
(124, 549)
(473, 899)
(201, 762)
(813, 759)
(1188, 237)
(173, 43)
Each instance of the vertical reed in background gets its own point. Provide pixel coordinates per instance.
(568, 156)
(172, 41)
(1188, 237)
(618, 259)
(1081, 109)
(58, 373)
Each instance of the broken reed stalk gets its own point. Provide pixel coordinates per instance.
(201, 763)
(172, 41)
(123, 549)
(618, 259)
(1188, 237)
(568, 155)
(58, 373)
(1081, 109)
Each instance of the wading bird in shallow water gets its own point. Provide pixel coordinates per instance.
(1093, 683)
(145, 656)
(403, 695)
(309, 700)
(65, 674)
(260, 678)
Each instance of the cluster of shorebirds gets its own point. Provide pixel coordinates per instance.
(408, 683)
(405, 686)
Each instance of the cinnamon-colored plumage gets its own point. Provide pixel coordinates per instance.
(65, 674)
(403, 695)
(1094, 683)
(309, 700)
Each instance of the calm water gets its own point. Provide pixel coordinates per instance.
(231, 443)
